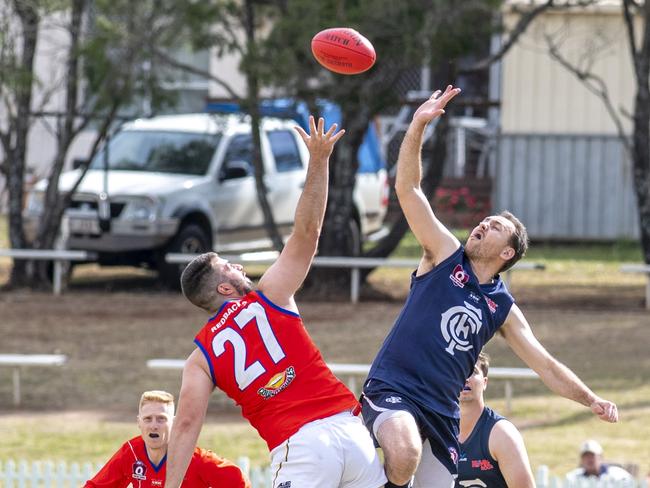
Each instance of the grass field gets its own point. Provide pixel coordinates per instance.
(582, 308)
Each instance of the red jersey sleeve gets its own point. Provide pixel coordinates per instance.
(218, 472)
(112, 474)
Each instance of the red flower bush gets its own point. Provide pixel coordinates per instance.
(459, 208)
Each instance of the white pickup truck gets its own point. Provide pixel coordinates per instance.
(184, 183)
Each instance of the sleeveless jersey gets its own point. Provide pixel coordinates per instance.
(261, 356)
(476, 467)
(433, 346)
(131, 466)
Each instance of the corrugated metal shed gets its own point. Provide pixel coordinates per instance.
(566, 186)
(541, 96)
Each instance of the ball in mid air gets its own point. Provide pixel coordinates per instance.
(343, 50)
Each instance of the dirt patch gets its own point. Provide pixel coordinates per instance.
(600, 332)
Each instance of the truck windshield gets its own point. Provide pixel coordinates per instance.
(162, 152)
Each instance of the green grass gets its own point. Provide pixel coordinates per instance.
(81, 437)
(618, 251)
(4, 232)
(544, 421)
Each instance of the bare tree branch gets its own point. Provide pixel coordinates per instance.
(631, 36)
(596, 85)
(169, 60)
(527, 17)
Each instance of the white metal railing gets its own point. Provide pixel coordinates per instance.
(58, 256)
(48, 474)
(19, 360)
(352, 372)
(354, 263)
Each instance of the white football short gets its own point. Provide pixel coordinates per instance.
(334, 452)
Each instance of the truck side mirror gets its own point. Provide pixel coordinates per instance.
(79, 162)
(234, 169)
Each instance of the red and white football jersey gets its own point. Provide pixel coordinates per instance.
(261, 356)
(131, 466)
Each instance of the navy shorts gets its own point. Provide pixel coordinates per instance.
(441, 431)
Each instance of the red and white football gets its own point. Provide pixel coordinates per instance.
(343, 50)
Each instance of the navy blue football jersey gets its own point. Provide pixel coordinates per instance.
(433, 346)
(476, 467)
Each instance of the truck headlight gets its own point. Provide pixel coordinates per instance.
(141, 209)
(35, 202)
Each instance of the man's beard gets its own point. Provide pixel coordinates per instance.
(243, 287)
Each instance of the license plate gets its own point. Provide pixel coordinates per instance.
(84, 226)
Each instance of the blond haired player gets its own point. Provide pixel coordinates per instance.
(141, 461)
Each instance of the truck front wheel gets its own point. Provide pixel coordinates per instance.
(190, 239)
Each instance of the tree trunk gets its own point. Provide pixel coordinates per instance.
(16, 155)
(50, 221)
(641, 157)
(641, 128)
(252, 100)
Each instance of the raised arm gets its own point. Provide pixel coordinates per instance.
(554, 374)
(287, 274)
(436, 240)
(507, 447)
(193, 402)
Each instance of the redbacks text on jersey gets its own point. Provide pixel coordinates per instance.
(261, 356)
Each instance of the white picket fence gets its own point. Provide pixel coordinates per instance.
(47, 474)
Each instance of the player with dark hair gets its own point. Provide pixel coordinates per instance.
(492, 451)
(256, 349)
(456, 304)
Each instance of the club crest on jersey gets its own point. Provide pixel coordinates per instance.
(491, 305)
(139, 471)
(277, 383)
(458, 277)
(453, 453)
(457, 324)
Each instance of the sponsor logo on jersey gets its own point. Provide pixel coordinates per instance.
(477, 483)
(156, 483)
(457, 324)
(277, 383)
(491, 305)
(139, 471)
(453, 453)
(482, 464)
(394, 399)
(474, 297)
(458, 277)
(285, 484)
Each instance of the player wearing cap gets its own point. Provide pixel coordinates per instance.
(593, 467)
